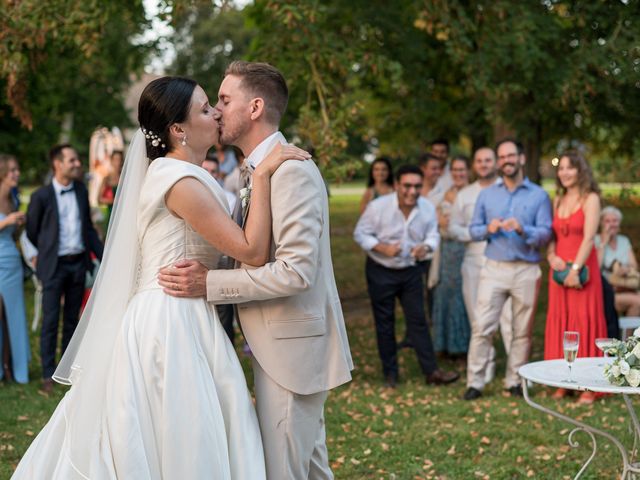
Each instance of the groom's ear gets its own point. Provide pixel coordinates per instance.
(257, 108)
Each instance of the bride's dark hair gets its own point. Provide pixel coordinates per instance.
(163, 102)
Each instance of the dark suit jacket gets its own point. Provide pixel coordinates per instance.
(43, 229)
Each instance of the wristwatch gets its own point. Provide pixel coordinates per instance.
(575, 267)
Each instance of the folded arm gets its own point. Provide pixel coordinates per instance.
(34, 218)
(458, 228)
(365, 232)
(478, 228)
(539, 233)
(194, 202)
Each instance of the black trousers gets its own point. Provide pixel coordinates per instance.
(385, 285)
(610, 313)
(68, 282)
(226, 313)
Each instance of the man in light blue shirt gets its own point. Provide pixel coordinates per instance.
(514, 218)
(399, 231)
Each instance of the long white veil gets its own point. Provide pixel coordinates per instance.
(86, 361)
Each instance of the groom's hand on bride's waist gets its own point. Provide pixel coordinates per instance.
(185, 278)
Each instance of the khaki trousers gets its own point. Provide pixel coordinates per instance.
(293, 433)
(471, 267)
(499, 281)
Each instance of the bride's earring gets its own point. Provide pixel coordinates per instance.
(184, 141)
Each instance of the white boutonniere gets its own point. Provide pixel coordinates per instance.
(245, 195)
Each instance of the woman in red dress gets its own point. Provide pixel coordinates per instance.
(573, 306)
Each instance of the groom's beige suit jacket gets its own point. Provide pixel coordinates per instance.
(289, 309)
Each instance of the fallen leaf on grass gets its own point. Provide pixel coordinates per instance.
(485, 440)
(452, 450)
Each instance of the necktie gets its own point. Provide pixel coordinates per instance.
(246, 170)
(71, 189)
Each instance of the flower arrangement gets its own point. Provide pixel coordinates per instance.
(245, 195)
(625, 369)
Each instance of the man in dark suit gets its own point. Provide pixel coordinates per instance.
(59, 225)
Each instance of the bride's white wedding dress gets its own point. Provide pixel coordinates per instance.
(176, 403)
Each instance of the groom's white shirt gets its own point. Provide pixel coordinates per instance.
(289, 309)
(259, 153)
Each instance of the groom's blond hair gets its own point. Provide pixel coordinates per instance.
(264, 81)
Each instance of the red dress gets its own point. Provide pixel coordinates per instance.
(571, 309)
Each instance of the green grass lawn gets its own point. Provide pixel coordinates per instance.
(413, 432)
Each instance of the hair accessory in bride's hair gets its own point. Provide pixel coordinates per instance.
(155, 139)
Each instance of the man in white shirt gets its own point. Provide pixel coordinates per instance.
(431, 167)
(398, 231)
(59, 226)
(440, 149)
(485, 168)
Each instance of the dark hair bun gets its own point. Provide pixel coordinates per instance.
(163, 102)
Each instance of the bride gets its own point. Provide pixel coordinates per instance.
(157, 391)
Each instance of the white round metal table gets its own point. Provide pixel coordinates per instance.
(587, 375)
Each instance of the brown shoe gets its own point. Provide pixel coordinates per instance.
(441, 377)
(47, 386)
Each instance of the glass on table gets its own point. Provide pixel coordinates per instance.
(605, 344)
(570, 344)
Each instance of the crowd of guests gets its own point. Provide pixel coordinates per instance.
(475, 249)
(463, 258)
(62, 243)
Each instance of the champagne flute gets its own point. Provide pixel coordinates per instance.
(570, 344)
(604, 344)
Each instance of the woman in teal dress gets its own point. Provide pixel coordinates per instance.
(14, 339)
(450, 322)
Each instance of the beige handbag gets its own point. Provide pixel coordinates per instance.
(624, 281)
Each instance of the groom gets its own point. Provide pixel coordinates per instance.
(289, 309)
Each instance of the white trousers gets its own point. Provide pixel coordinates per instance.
(471, 267)
(293, 432)
(499, 281)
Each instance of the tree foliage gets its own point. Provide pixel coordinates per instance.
(207, 38)
(396, 74)
(382, 77)
(64, 60)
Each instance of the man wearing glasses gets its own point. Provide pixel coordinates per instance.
(514, 218)
(398, 231)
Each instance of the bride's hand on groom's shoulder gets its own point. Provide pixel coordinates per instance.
(278, 155)
(185, 278)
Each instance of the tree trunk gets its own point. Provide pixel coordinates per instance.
(533, 152)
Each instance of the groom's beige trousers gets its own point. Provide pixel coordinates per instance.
(293, 433)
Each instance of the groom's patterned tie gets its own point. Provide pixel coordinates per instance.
(237, 214)
(246, 171)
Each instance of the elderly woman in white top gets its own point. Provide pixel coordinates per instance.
(614, 247)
